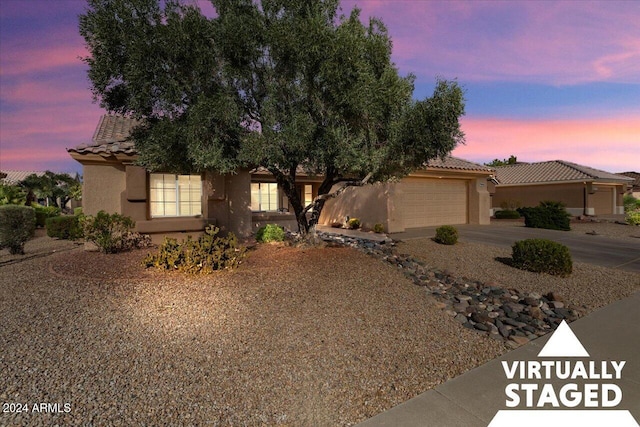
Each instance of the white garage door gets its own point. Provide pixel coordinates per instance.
(426, 202)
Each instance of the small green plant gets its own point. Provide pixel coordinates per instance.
(204, 255)
(542, 256)
(64, 227)
(633, 217)
(446, 235)
(270, 233)
(353, 223)
(112, 233)
(630, 203)
(44, 212)
(17, 225)
(77, 211)
(378, 228)
(506, 214)
(549, 214)
(12, 195)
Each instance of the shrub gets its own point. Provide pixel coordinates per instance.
(550, 215)
(633, 217)
(270, 233)
(77, 211)
(542, 256)
(204, 255)
(378, 228)
(447, 235)
(64, 227)
(510, 204)
(44, 212)
(112, 233)
(353, 223)
(506, 214)
(17, 225)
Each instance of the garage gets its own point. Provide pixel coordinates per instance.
(427, 201)
(603, 200)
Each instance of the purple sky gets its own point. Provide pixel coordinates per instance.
(544, 80)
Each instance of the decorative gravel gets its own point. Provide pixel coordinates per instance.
(313, 337)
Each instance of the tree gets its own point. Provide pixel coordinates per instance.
(283, 84)
(51, 186)
(512, 160)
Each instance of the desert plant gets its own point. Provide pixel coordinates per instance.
(77, 211)
(204, 255)
(633, 217)
(12, 195)
(44, 212)
(270, 233)
(64, 227)
(542, 256)
(378, 228)
(506, 214)
(17, 225)
(447, 235)
(111, 233)
(549, 214)
(353, 223)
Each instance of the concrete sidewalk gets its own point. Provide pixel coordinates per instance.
(611, 333)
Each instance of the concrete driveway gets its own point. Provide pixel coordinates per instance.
(598, 250)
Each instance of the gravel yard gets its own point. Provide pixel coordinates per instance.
(314, 337)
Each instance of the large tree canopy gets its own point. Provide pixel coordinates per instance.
(281, 84)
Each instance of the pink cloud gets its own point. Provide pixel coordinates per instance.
(584, 141)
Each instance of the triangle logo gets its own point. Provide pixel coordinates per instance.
(563, 343)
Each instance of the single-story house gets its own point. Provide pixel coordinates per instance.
(634, 190)
(583, 190)
(13, 177)
(452, 191)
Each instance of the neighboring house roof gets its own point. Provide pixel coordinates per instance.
(457, 163)
(14, 177)
(553, 172)
(110, 137)
(633, 175)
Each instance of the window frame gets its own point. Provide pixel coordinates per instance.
(178, 198)
(260, 193)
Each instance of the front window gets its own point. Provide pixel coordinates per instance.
(264, 196)
(175, 195)
(308, 194)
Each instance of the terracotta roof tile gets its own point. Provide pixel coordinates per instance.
(14, 177)
(110, 137)
(553, 171)
(457, 163)
(633, 175)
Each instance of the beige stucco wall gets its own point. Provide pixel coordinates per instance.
(368, 203)
(103, 188)
(228, 200)
(479, 201)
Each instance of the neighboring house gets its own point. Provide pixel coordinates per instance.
(451, 192)
(634, 190)
(12, 177)
(583, 190)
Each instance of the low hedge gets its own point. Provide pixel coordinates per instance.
(64, 227)
(447, 235)
(506, 214)
(270, 233)
(44, 212)
(542, 256)
(550, 215)
(17, 225)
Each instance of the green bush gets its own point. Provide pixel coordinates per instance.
(204, 255)
(64, 227)
(77, 211)
(112, 233)
(550, 215)
(633, 217)
(506, 214)
(447, 235)
(44, 212)
(270, 233)
(17, 225)
(378, 228)
(542, 256)
(353, 223)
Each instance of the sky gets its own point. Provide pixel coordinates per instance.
(543, 80)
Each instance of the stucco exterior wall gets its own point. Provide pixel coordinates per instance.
(103, 188)
(228, 200)
(479, 202)
(572, 195)
(368, 203)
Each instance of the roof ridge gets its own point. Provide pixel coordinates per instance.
(578, 168)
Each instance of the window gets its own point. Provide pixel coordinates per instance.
(264, 196)
(175, 195)
(307, 195)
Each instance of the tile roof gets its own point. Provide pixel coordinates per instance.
(633, 175)
(553, 171)
(457, 163)
(110, 137)
(14, 177)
